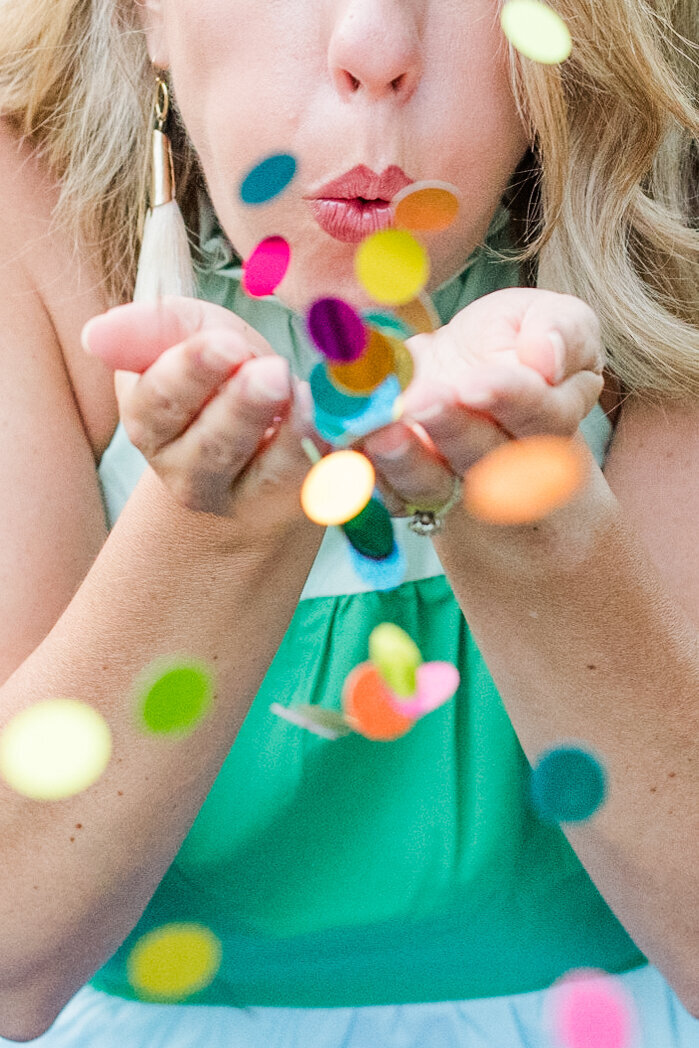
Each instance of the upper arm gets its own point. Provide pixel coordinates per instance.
(52, 521)
(653, 470)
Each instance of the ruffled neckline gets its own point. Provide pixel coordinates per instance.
(220, 258)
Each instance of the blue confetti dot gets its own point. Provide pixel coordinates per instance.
(383, 574)
(567, 785)
(268, 179)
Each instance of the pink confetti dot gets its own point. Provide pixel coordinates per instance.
(436, 683)
(591, 1011)
(266, 267)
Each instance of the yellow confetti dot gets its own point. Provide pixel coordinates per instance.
(536, 31)
(338, 487)
(403, 363)
(392, 266)
(428, 207)
(54, 749)
(174, 961)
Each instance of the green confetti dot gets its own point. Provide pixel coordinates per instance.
(567, 785)
(396, 657)
(177, 699)
(536, 31)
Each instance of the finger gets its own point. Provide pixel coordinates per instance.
(131, 337)
(522, 403)
(559, 342)
(240, 422)
(411, 466)
(165, 399)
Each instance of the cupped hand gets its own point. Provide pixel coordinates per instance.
(190, 380)
(493, 374)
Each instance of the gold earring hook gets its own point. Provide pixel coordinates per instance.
(162, 103)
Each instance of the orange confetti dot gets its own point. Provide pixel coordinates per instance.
(419, 314)
(524, 480)
(367, 708)
(368, 371)
(428, 207)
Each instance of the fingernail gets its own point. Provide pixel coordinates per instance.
(269, 385)
(556, 340)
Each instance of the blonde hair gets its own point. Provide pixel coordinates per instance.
(605, 204)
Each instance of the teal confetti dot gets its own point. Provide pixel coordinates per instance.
(567, 785)
(386, 322)
(330, 400)
(268, 179)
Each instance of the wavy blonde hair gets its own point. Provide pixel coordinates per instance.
(605, 204)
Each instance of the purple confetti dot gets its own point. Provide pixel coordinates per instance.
(337, 330)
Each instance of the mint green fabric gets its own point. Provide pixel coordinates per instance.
(354, 873)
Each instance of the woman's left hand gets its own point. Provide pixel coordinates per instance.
(492, 374)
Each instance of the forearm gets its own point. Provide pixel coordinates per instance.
(584, 643)
(78, 873)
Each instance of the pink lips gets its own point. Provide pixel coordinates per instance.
(357, 204)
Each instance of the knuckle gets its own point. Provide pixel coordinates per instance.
(216, 451)
(135, 429)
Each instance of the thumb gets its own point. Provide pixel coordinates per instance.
(131, 337)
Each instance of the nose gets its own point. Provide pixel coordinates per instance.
(375, 49)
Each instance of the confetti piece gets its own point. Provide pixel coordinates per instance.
(587, 1009)
(427, 207)
(329, 724)
(338, 487)
(337, 330)
(567, 785)
(381, 575)
(388, 324)
(367, 707)
(536, 31)
(524, 480)
(403, 363)
(174, 961)
(268, 179)
(311, 450)
(420, 315)
(381, 410)
(54, 749)
(436, 684)
(392, 266)
(176, 700)
(396, 657)
(328, 398)
(371, 531)
(266, 267)
(364, 375)
(330, 427)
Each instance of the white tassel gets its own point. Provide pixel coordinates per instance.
(165, 262)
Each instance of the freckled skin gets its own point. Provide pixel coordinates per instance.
(422, 84)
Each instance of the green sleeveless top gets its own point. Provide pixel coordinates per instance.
(350, 872)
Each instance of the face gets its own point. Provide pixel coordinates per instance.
(417, 84)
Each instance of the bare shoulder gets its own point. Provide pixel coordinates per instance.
(69, 287)
(652, 470)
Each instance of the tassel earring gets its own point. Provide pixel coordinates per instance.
(165, 262)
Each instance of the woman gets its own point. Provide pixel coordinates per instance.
(363, 893)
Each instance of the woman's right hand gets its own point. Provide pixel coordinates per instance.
(190, 380)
